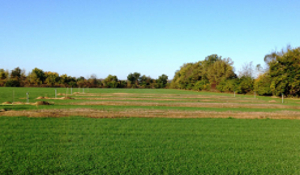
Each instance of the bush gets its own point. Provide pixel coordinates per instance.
(12, 83)
(202, 85)
(227, 85)
(246, 85)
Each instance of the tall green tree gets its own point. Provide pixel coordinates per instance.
(37, 76)
(133, 79)
(145, 81)
(162, 81)
(16, 73)
(52, 78)
(203, 74)
(111, 81)
(3, 76)
(285, 73)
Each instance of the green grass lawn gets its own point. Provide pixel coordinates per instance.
(76, 145)
(176, 96)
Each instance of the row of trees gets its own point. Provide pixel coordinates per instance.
(39, 78)
(214, 73)
(280, 76)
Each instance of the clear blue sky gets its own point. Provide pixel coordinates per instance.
(151, 37)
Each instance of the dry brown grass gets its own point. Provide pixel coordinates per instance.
(129, 99)
(18, 103)
(60, 98)
(149, 95)
(65, 98)
(41, 103)
(151, 114)
(159, 100)
(208, 105)
(167, 97)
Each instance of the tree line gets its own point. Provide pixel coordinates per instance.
(281, 76)
(39, 78)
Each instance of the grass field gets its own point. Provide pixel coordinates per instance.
(76, 145)
(147, 131)
(111, 103)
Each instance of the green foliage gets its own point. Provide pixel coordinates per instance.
(245, 85)
(211, 59)
(52, 78)
(37, 76)
(145, 82)
(262, 84)
(3, 74)
(162, 81)
(281, 76)
(111, 81)
(230, 85)
(285, 73)
(16, 73)
(68, 81)
(199, 75)
(12, 83)
(220, 70)
(133, 78)
(3, 77)
(202, 85)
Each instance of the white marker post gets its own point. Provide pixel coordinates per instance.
(27, 97)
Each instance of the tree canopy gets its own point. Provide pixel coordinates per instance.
(280, 76)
